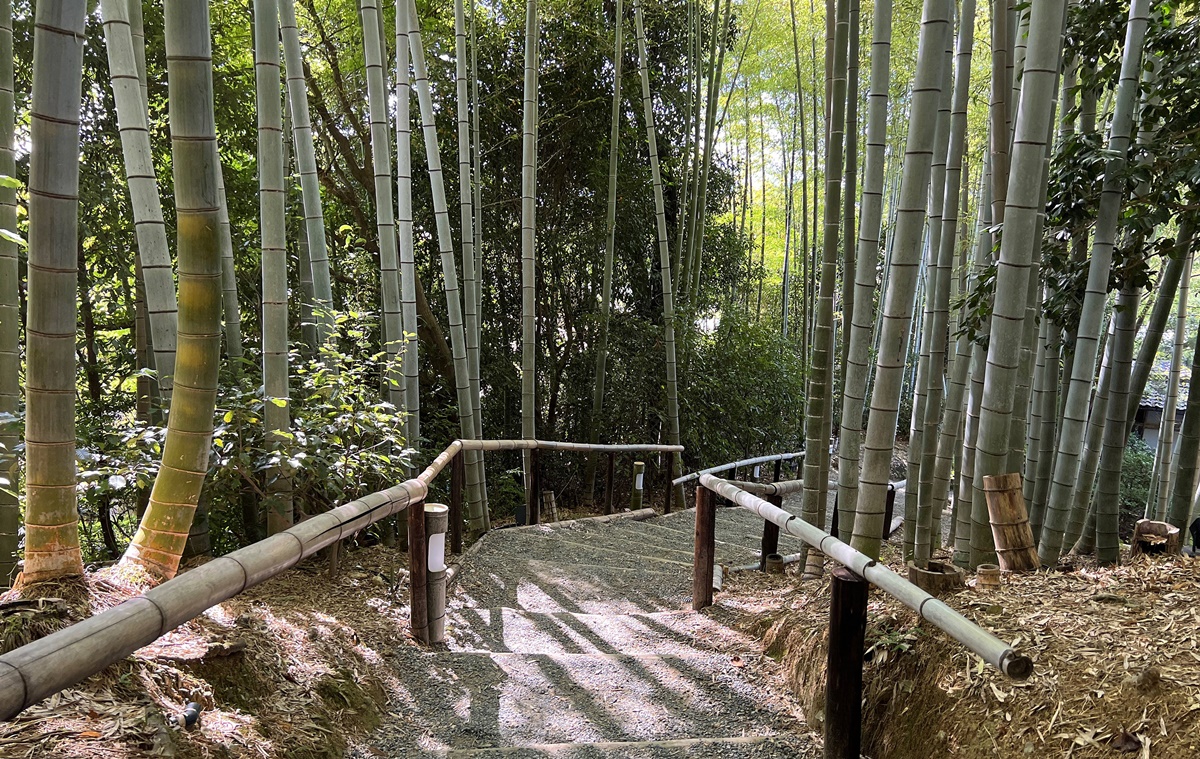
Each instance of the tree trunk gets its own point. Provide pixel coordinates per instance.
(160, 540)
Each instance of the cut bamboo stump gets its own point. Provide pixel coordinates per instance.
(635, 494)
(987, 577)
(437, 517)
(1154, 538)
(550, 504)
(937, 578)
(1011, 533)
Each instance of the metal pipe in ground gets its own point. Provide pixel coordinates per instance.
(844, 670)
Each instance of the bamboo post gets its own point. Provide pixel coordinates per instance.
(635, 493)
(705, 549)
(437, 517)
(418, 610)
(550, 504)
(457, 477)
(778, 470)
(335, 550)
(609, 476)
(535, 490)
(1011, 532)
(770, 535)
(844, 670)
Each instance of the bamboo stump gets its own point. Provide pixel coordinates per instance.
(936, 578)
(1015, 547)
(635, 494)
(1154, 538)
(987, 577)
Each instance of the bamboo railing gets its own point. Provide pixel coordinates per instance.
(42, 668)
(735, 464)
(993, 650)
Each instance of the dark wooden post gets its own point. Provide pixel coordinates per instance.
(844, 670)
(335, 550)
(533, 510)
(705, 550)
(457, 475)
(888, 509)
(778, 470)
(668, 488)
(418, 567)
(608, 482)
(770, 536)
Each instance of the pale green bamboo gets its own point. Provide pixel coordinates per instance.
(1032, 444)
(999, 109)
(1071, 438)
(1089, 461)
(918, 522)
(683, 277)
(1156, 323)
(51, 519)
(143, 189)
(1184, 488)
(664, 255)
(478, 516)
(610, 242)
(1032, 128)
(901, 284)
(818, 406)
(306, 164)
(1166, 438)
(385, 211)
(272, 202)
(229, 294)
(849, 199)
(1108, 483)
(10, 314)
(477, 154)
(160, 539)
(863, 316)
(404, 224)
(529, 241)
(1048, 418)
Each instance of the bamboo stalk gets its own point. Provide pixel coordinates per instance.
(404, 221)
(10, 311)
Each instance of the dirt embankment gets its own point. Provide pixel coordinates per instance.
(295, 667)
(1116, 651)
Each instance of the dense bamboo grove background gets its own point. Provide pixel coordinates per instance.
(931, 241)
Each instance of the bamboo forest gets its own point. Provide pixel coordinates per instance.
(599, 378)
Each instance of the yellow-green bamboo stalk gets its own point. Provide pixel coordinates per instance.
(529, 239)
(404, 223)
(51, 519)
(160, 539)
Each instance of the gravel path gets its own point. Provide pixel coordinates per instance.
(578, 641)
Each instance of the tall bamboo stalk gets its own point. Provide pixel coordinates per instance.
(10, 313)
(1033, 126)
(143, 189)
(404, 224)
(664, 254)
(385, 212)
(1071, 437)
(51, 519)
(529, 241)
(480, 520)
(230, 307)
(901, 285)
(610, 241)
(160, 539)
(863, 316)
(306, 164)
(1166, 437)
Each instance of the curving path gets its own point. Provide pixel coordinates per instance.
(578, 641)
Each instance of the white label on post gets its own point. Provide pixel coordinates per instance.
(437, 552)
(757, 471)
(639, 480)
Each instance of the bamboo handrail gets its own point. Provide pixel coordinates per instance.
(993, 650)
(787, 487)
(47, 665)
(734, 464)
(445, 457)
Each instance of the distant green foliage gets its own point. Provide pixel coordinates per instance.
(1136, 471)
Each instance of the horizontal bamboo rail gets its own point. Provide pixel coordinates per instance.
(735, 464)
(993, 650)
(438, 464)
(787, 487)
(47, 665)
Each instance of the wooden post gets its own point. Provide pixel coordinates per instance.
(418, 582)
(635, 493)
(533, 493)
(609, 476)
(844, 670)
(457, 475)
(1015, 547)
(778, 470)
(668, 486)
(335, 549)
(888, 510)
(705, 550)
(436, 518)
(770, 536)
